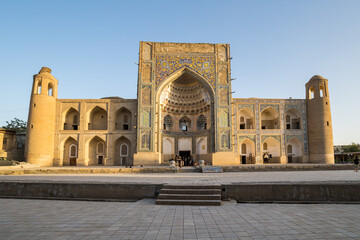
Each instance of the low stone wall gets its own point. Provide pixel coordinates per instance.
(79, 191)
(300, 192)
(82, 170)
(316, 192)
(286, 167)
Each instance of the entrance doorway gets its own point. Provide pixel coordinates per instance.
(185, 155)
(243, 159)
(100, 160)
(72, 161)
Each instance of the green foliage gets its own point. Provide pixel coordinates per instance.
(16, 124)
(353, 147)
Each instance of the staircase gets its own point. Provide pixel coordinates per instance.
(204, 195)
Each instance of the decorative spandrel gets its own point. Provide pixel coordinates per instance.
(166, 65)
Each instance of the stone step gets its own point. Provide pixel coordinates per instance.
(192, 186)
(188, 202)
(190, 191)
(188, 170)
(191, 196)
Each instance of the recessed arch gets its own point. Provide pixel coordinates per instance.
(123, 119)
(175, 97)
(294, 151)
(71, 119)
(180, 72)
(246, 118)
(292, 119)
(69, 152)
(273, 150)
(96, 151)
(270, 118)
(97, 119)
(247, 151)
(123, 154)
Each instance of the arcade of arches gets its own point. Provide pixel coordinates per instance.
(184, 106)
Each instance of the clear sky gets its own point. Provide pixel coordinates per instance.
(92, 48)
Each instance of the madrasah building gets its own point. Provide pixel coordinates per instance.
(184, 107)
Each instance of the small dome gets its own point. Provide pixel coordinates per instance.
(45, 70)
(317, 77)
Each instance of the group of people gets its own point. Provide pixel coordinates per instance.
(267, 157)
(184, 161)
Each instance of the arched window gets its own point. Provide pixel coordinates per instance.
(73, 151)
(322, 92)
(184, 124)
(100, 148)
(50, 89)
(265, 146)
(38, 88)
(201, 122)
(243, 148)
(311, 93)
(167, 122)
(124, 150)
(242, 119)
(289, 148)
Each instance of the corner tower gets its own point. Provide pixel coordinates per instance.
(39, 147)
(319, 121)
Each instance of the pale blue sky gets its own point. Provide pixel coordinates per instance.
(91, 46)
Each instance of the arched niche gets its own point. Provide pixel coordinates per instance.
(292, 119)
(123, 119)
(70, 152)
(271, 147)
(270, 119)
(247, 151)
(246, 119)
(185, 124)
(98, 119)
(167, 123)
(123, 154)
(294, 151)
(71, 119)
(201, 122)
(97, 151)
(184, 93)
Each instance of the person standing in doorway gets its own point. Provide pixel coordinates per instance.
(356, 164)
(266, 158)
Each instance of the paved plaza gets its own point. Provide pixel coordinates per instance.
(46, 219)
(195, 178)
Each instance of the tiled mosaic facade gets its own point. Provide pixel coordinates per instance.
(166, 65)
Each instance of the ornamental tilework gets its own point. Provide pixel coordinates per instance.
(225, 141)
(224, 118)
(294, 106)
(249, 106)
(145, 140)
(243, 137)
(289, 137)
(166, 65)
(276, 137)
(263, 106)
(145, 118)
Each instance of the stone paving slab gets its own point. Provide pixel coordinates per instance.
(194, 178)
(44, 219)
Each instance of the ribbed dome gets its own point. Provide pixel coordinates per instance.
(185, 95)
